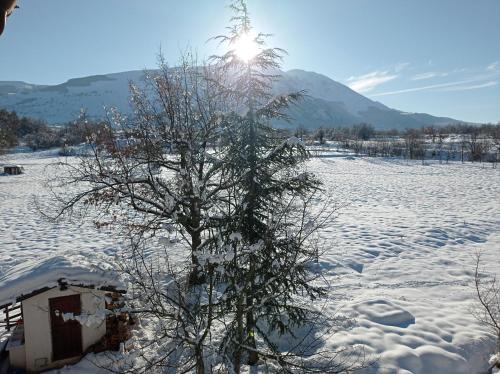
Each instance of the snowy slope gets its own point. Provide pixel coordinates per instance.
(399, 257)
(320, 86)
(329, 103)
(62, 103)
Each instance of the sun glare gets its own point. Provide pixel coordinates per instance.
(246, 48)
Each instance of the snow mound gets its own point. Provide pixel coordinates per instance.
(437, 360)
(384, 312)
(31, 276)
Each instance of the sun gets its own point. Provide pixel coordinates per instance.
(246, 48)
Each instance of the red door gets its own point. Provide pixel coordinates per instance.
(66, 336)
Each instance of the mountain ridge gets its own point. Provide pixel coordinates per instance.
(328, 102)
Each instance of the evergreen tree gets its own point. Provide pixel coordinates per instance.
(270, 224)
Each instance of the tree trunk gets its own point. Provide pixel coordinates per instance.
(196, 276)
(252, 235)
(200, 364)
(239, 337)
(253, 356)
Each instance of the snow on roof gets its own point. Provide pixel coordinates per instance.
(26, 278)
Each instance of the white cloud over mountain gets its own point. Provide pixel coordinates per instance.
(368, 82)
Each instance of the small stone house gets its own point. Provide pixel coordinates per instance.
(58, 312)
(13, 169)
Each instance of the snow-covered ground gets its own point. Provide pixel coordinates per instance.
(25, 234)
(405, 247)
(399, 257)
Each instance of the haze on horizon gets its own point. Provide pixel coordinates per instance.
(441, 58)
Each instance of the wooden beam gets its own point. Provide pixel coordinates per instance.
(34, 293)
(15, 307)
(6, 312)
(12, 317)
(5, 305)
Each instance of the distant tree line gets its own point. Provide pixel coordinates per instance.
(366, 131)
(38, 135)
(460, 141)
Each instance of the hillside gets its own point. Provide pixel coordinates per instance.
(328, 103)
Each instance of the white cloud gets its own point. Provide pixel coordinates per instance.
(423, 76)
(401, 66)
(472, 86)
(367, 82)
(493, 66)
(483, 78)
(458, 86)
(429, 75)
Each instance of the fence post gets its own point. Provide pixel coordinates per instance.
(7, 318)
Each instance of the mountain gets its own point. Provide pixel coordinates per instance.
(328, 103)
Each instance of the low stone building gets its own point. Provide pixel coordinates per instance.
(13, 169)
(57, 312)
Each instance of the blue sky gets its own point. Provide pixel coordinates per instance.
(436, 56)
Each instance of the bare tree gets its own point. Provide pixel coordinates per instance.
(154, 176)
(496, 144)
(488, 313)
(8, 126)
(414, 145)
(319, 135)
(476, 145)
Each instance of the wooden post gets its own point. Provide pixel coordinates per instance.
(7, 318)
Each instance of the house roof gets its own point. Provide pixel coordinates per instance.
(27, 279)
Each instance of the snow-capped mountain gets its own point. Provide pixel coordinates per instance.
(328, 103)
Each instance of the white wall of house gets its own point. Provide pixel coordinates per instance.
(37, 326)
(16, 348)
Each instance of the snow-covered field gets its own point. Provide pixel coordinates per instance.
(405, 247)
(25, 234)
(399, 257)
